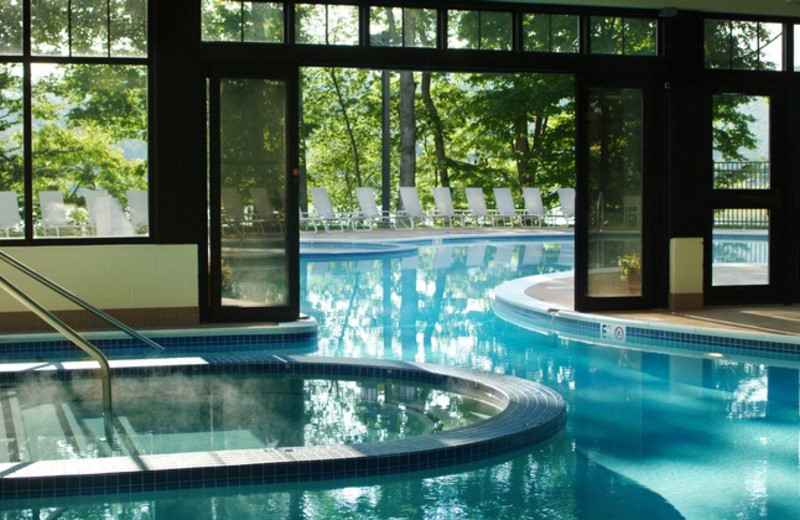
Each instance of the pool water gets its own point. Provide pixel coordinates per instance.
(648, 435)
(56, 419)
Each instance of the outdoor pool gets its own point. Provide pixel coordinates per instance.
(649, 434)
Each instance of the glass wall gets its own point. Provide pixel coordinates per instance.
(88, 156)
(614, 125)
(741, 142)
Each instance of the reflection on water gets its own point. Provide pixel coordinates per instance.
(648, 435)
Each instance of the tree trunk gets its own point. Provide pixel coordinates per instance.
(348, 125)
(438, 131)
(408, 130)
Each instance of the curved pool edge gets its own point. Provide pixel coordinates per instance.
(514, 305)
(530, 414)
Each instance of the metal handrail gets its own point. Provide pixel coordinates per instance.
(77, 301)
(76, 338)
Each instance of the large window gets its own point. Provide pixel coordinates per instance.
(238, 21)
(625, 36)
(83, 147)
(743, 45)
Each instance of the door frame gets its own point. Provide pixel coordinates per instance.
(213, 310)
(654, 204)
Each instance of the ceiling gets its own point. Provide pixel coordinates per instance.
(757, 7)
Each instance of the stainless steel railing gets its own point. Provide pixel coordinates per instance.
(81, 342)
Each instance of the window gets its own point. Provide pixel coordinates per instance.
(550, 32)
(323, 24)
(402, 27)
(88, 161)
(11, 27)
(237, 21)
(741, 142)
(624, 36)
(89, 28)
(487, 30)
(743, 45)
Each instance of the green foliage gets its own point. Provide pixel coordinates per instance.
(731, 126)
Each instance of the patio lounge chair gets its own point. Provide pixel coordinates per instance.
(412, 209)
(504, 201)
(369, 214)
(233, 214)
(566, 210)
(106, 214)
(480, 214)
(54, 212)
(534, 209)
(137, 209)
(265, 212)
(325, 213)
(9, 211)
(445, 211)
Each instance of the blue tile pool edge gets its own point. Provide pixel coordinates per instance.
(273, 335)
(530, 413)
(514, 306)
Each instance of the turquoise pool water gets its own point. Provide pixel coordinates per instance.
(648, 435)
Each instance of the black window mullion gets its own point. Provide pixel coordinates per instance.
(27, 120)
(108, 28)
(241, 21)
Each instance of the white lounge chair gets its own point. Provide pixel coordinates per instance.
(478, 212)
(307, 220)
(534, 209)
(265, 212)
(443, 200)
(9, 212)
(566, 209)
(138, 209)
(234, 216)
(368, 214)
(504, 201)
(325, 213)
(54, 212)
(106, 214)
(412, 209)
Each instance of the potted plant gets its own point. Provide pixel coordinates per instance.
(630, 266)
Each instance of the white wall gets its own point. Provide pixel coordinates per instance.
(108, 276)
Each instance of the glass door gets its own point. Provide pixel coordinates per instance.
(612, 260)
(253, 244)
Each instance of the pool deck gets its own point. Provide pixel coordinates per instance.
(782, 320)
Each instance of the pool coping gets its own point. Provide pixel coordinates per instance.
(515, 305)
(530, 413)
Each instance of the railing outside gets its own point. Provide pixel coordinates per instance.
(741, 175)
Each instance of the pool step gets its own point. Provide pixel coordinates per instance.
(13, 429)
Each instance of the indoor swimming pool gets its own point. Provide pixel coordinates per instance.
(649, 434)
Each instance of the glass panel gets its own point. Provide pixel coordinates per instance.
(740, 247)
(606, 35)
(49, 27)
(495, 31)
(741, 142)
(263, 22)
(717, 44)
(615, 192)
(89, 149)
(11, 27)
(253, 167)
(640, 36)
(11, 151)
(89, 26)
(463, 29)
(222, 20)
(744, 45)
(419, 28)
(128, 28)
(342, 25)
(770, 46)
(385, 26)
(564, 30)
(311, 23)
(536, 32)
(797, 48)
